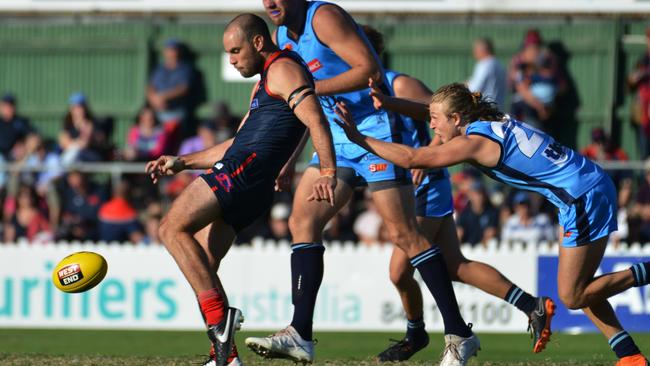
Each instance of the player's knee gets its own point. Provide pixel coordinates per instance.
(571, 299)
(402, 235)
(302, 225)
(167, 229)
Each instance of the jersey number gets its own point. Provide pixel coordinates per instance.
(529, 145)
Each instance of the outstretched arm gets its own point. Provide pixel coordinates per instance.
(284, 78)
(460, 149)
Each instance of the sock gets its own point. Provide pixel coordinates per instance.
(306, 277)
(521, 299)
(433, 270)
(623, 345)
(641, 272)
(212, 306)
(415, 328)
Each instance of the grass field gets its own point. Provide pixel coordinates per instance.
(126, 348)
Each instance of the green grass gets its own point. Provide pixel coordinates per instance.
(126, 348)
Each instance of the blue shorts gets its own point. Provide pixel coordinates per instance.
(369, 169)
(433, 196)
(591, 216)
(242, 197)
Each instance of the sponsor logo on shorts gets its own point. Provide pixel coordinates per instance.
(224, 181)
(567, 234)
(378, 167)
(314, 65)
(70, 274)
(219, 166)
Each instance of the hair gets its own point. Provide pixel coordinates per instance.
(144, 108)
(375, 37)
(88, 114)
(470, 106)
(250, 25)
(487, 43)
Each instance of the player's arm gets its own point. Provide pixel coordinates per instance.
(408, 87)
(336, 29)
(288, 80)
(461, 149)
(415, 109)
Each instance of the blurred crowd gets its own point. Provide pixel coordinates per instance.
(49, 200)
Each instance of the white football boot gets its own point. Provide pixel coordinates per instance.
(458, 350)
(286, 343)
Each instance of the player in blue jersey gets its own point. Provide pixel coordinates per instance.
(434, 208)
(474, 131)
(238, 188)
(341, 60)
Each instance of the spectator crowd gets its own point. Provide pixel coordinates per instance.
(50, 201)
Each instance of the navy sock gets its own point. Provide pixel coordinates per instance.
(641, 272)
(521, 299)
(623, 345)
(433, 270)
(306, 277)
(415, 329)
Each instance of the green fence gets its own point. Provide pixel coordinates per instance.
(42, 63)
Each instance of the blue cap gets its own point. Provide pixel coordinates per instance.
(172, 43)
(521, 197)
(77, 99)
(9, 98)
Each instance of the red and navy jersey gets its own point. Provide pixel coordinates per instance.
(271, 132)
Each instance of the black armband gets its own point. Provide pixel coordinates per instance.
(302, 97)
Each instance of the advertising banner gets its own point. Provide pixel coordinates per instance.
(144, 289)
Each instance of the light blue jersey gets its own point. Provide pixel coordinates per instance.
(324, 64)
(433, 196)
(534, 161)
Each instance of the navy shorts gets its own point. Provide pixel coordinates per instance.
(244, 192)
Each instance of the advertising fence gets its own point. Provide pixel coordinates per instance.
(144, 289)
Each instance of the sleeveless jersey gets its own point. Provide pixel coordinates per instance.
(534, 161)
(324, 64)
(271, 132)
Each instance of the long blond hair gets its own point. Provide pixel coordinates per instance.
(470, 106)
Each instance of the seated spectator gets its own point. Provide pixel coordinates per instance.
(368, 224)
(118, 220)
(168, 91)
(206, 137)
(13, 128)
(146, 139)
(278, 224)
(26, 221)
(603, 148)
(226, 122)
(151, 226)
(478, 222)
(524, 225)
(81, 201)
(77, 139)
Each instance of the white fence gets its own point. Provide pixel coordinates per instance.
(145, 290)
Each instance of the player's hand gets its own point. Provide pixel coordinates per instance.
(347, 123)
(323, 189)
(376, 94)
(417, 175)
(285, 178)
(164, 165)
